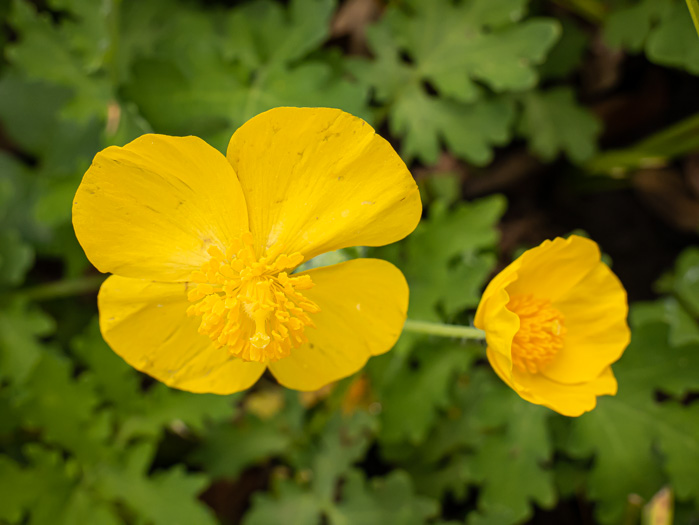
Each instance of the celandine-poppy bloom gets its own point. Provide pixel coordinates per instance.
(202, 248)
(555, 320)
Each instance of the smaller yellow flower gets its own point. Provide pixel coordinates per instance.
(555, 320)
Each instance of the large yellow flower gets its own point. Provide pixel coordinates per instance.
(202, 248)
(555, 320)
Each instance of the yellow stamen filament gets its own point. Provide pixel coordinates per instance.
(250, 306)
(540, 335)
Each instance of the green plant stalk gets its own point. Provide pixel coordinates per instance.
(653, 151)
(693, 6)
(64, 288)
(444, 330)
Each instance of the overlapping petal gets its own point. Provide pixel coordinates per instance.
(363, 304)
(555, 267)
(319, 179)
(499, 323)
(596, 329)
(147, 325)
(151, 209)
(568, 399)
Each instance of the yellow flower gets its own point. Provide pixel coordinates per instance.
(202, 248)
(555, 320)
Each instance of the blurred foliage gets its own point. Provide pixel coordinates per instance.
(662, 29)
(426, 433)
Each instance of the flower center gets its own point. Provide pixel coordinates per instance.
(251, 306)
(541, 333)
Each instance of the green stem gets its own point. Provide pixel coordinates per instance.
(66, 288)
(693, 6)
(443, 330)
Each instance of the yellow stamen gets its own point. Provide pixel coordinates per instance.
(250, 305)
(540, 335)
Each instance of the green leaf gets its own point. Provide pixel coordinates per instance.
(54, 205)
(255, 441)
(291, 505)
(53, 479)
(451, 45)
(49, 491)
(554, 123)
(85, 507)
(683, 328)
(16, 257)
(344, 441)
(443, 462)
(140, 414)
(29, 108)
(72, 54)
(674, 42)
(421, 390)
(620, 435)
(184, 411)
(253, 58)
(108, 374)
(14, 193)
(164, 498)
(623, 430)
(629, 25)
(663, 28)
(264, 33)
(386, 500)
(686, 281)
(30, 111)
(441, 187)
(15, 493)
(444, 479)
(567, 54)
(445, 260)
(505, 459)
(655, 364)
(61, 407)
(678, 437)
(21, 327)
(469, 130)
(445, 48)
(214, 102)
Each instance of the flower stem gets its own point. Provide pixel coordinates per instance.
(64, 288)
(444, 330)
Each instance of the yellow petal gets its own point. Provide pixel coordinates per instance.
(554, 267)
(595, 312)
(502, 366)
(152, 208)
(499, 323)
(567, 399)
(147, 325)
(363, 304)
(319, 179)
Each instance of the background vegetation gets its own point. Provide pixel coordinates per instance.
(520, 120)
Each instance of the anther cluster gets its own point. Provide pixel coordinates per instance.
(251, 306)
